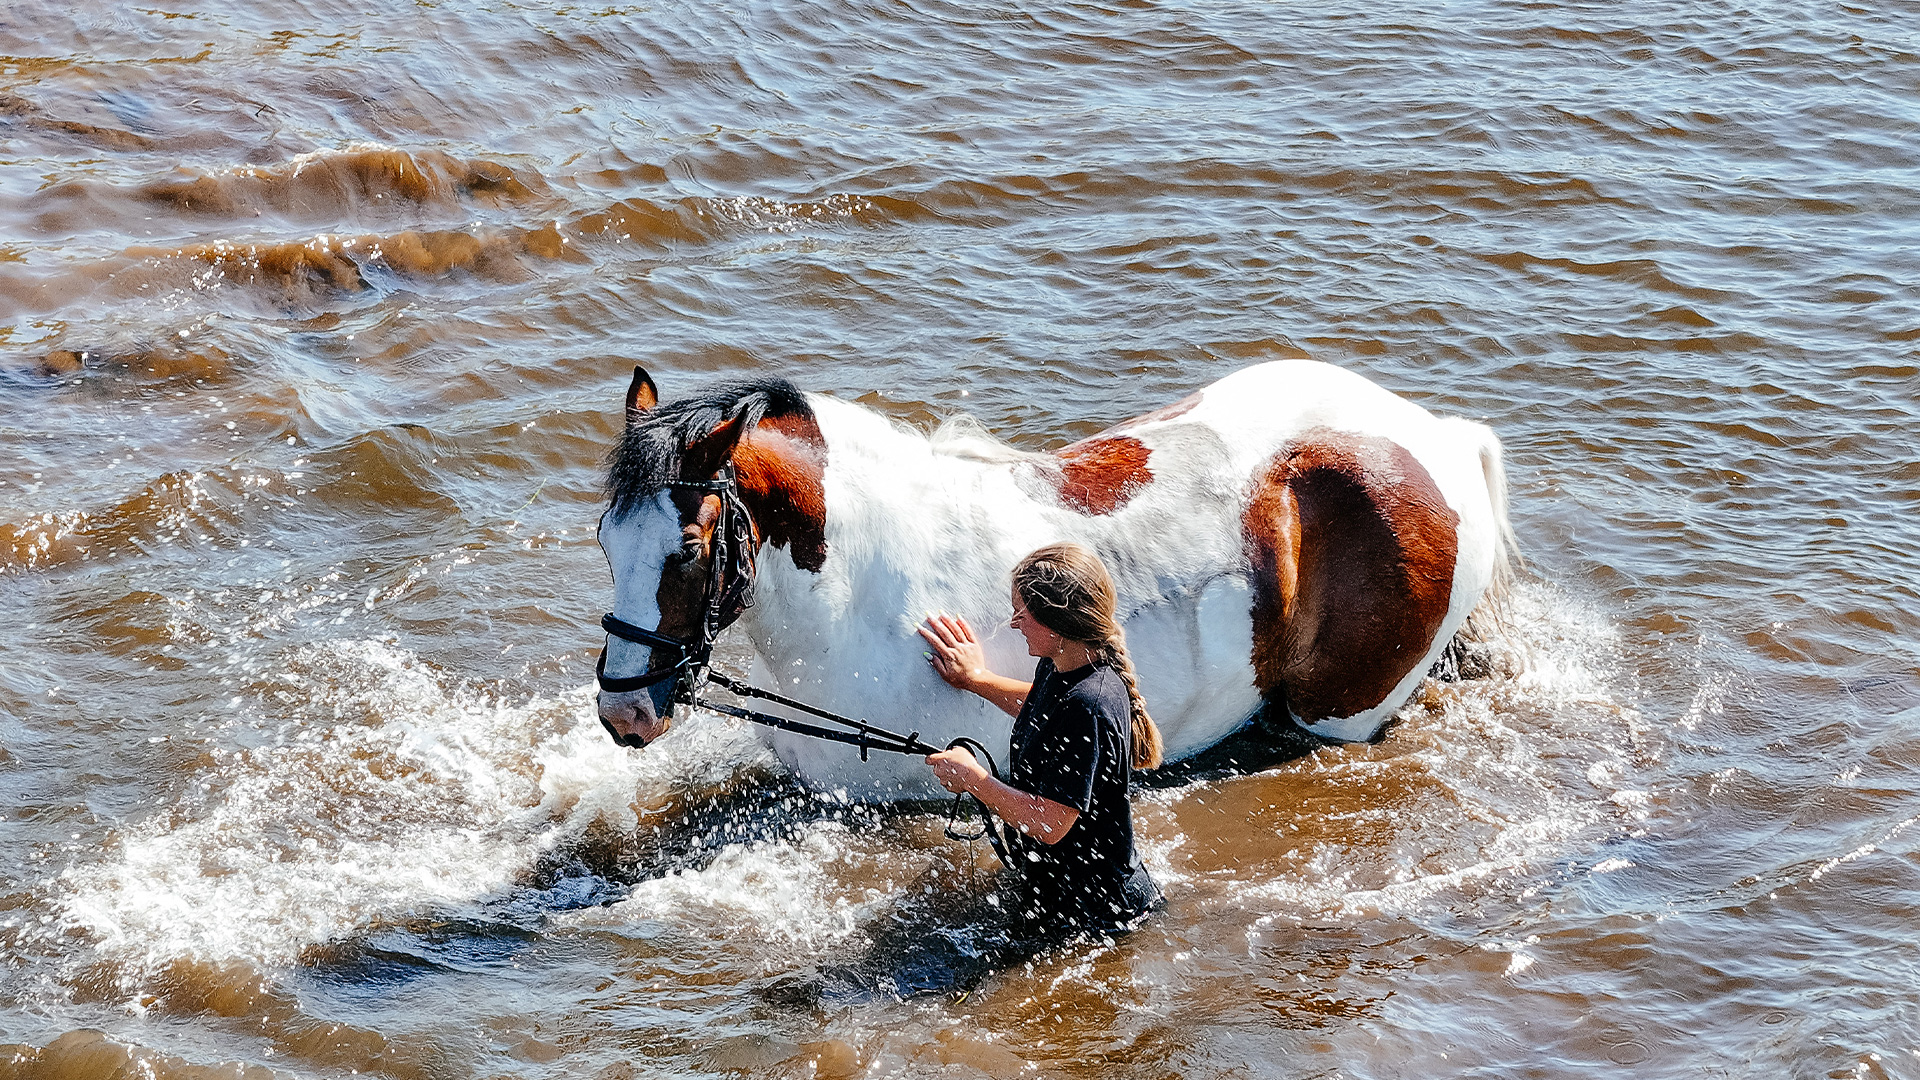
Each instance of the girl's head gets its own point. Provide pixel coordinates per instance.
(1067, 589)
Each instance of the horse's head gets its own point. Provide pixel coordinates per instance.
(690, 483)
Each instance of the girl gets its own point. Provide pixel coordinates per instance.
(1080, 729)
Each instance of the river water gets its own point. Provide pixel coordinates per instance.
(314, 319)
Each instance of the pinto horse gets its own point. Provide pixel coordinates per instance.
(1292, 538)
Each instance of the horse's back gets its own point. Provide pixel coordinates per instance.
(1269, 403)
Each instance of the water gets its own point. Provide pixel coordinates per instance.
(314, 321)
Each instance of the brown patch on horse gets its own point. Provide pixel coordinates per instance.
(782, 466)
(682, 593)
(779, 466)
(1102, 474)
(1352, 549)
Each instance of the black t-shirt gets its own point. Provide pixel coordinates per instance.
(1072, 743)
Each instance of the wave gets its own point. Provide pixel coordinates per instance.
(86, 1054)
(174, 507)
(359, 184)
(22, 113)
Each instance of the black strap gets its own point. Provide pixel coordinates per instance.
(620, 628)
(636, 682)
(868, 737)
(863, 734)
(990, 827)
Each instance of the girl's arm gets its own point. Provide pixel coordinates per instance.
(1035, 815)
(957, 657)
(956, 654)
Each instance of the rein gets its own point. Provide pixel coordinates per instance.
(729, 592)
(866, 737)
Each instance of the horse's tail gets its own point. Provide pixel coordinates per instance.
(1507, 559)
(1484, 625)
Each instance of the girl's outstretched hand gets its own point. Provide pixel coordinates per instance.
(956, 656)
(954, 652)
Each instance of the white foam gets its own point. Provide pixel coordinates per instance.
(779, 892)
(1530, 767)
(402, 792)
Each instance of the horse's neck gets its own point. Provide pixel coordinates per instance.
(900, 503)
(911, 527)
(892, 481)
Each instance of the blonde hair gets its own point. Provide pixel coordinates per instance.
(1067, 589)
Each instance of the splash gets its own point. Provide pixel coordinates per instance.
(1483, 787)
(394, 791)
(782, 892)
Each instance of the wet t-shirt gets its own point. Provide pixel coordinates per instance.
(1072, 744)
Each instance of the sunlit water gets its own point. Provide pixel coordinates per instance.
(313, 326)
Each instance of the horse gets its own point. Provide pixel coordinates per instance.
(1292, 540)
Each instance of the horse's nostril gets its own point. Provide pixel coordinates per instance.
(620, 738)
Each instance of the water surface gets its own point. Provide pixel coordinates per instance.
(314, 321)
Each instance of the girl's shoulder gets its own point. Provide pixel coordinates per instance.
(1101, 690)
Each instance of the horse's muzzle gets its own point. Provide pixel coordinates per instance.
(632, 739)
(632, 720)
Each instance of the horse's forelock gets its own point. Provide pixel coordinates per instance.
(650, 449)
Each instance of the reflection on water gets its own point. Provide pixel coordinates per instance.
(313, 325)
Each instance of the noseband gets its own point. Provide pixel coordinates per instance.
(729, 592)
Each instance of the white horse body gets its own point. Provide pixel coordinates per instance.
(917, 525)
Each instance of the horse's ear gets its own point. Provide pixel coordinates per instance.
(641, 394)
(703, 457)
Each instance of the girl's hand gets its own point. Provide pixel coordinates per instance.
(957, 770)
(955, 653)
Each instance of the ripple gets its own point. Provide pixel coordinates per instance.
(314, 319)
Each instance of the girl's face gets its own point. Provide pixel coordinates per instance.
(1040, 640)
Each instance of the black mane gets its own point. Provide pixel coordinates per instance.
(648, 454)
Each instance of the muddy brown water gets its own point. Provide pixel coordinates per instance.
(313, 322)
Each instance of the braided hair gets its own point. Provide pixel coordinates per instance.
(1067, 589)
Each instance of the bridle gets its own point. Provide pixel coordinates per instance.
(729, 591)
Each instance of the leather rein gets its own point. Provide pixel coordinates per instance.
(729, 591)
